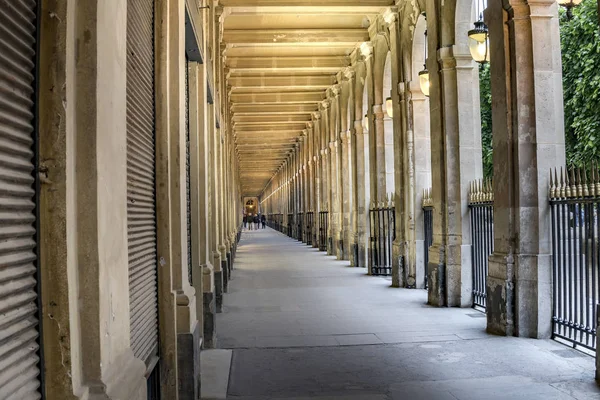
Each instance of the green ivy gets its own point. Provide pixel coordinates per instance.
(485, 100)
(580, 45)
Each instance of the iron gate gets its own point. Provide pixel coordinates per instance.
(309, 227)
(481, 205)
(290, 222)
(428, 235)
(382, 218)
(299, 227)
(575, 214)
(323, 227)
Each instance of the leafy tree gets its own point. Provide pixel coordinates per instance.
(485, 94)
(580, 45)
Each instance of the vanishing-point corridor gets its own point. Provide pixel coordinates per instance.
(303, 325)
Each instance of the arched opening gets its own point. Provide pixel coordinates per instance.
(388, 125)
(420, 150)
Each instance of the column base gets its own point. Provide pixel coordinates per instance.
(188, 364)
(219, 291)
(362, 256)
(124, 379)
(500, 295)
(209, 312)
(230, 263)
(436, 285)
(225, 269)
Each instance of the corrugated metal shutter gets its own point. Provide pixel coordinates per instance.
(19, 370)
(188, 171)
(141, 197)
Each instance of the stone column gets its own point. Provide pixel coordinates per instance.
(351, 165)
(456, 161)
(528, 140)
(317, 175)
(344, 171)
(336, 161)
(419, 175)
(327, 184)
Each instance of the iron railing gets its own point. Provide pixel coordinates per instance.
(309, 228)
(481, 206)
(575, 216)
(290, 223)
(428, 231)
(300, 227)
(382, 219)
(323, 226)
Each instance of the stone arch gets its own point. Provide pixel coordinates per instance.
(419, 142)
(381, 48)
(388, 125)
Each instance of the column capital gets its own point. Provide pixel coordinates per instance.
(366, 49)
(316, 115)
(325, 104)
(390, 15)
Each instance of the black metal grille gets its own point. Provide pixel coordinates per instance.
(575, 210)
(290, 224)
(482, 232)
(382, 234)
(300, 227)
(428, 232)
(323, 227)
(153, 384)
(309, 228)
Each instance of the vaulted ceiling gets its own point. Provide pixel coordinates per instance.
(281, 56)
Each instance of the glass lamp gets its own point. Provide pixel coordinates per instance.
(479, 43)
(389, 107)
(569, 4)
(424, 81)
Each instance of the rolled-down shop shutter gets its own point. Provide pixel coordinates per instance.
(19, 359)
(188, 171)
(141, 196)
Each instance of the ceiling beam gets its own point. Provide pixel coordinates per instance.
(287, 62)
(294, 36)
(292, 97)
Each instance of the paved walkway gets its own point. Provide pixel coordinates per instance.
(305, 326)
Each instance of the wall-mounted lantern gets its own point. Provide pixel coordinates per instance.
(569, 4)
(479, 38)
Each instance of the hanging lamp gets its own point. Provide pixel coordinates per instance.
(424, 74)
(569, 5)
(479, 38)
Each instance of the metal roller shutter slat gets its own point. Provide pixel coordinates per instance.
(141, 198)
(18, 300)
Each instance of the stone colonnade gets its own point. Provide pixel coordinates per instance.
(437, 144)
(83, 153)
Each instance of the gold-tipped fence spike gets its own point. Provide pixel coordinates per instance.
(579, 183)
(563, 193)
(586, 190)
(597, 183)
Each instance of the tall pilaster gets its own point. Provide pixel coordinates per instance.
(528, 140)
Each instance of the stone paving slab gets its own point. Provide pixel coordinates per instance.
(306, 326)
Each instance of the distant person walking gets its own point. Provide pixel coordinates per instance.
(263, 220)
(250, 220)
(256, 222)
(245, 220)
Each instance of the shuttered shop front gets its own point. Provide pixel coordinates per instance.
(19, 369)
(141, 198)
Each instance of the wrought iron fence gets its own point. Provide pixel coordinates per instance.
(309, 228)
(481, 206)
(290, 224)
(575, 215)
(382, 219)
(427, 205)
(300, 227)
(323, 226)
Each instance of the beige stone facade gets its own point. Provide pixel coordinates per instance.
(284, 103)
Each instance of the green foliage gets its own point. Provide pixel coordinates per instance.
(485, 93)
(580, 45)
